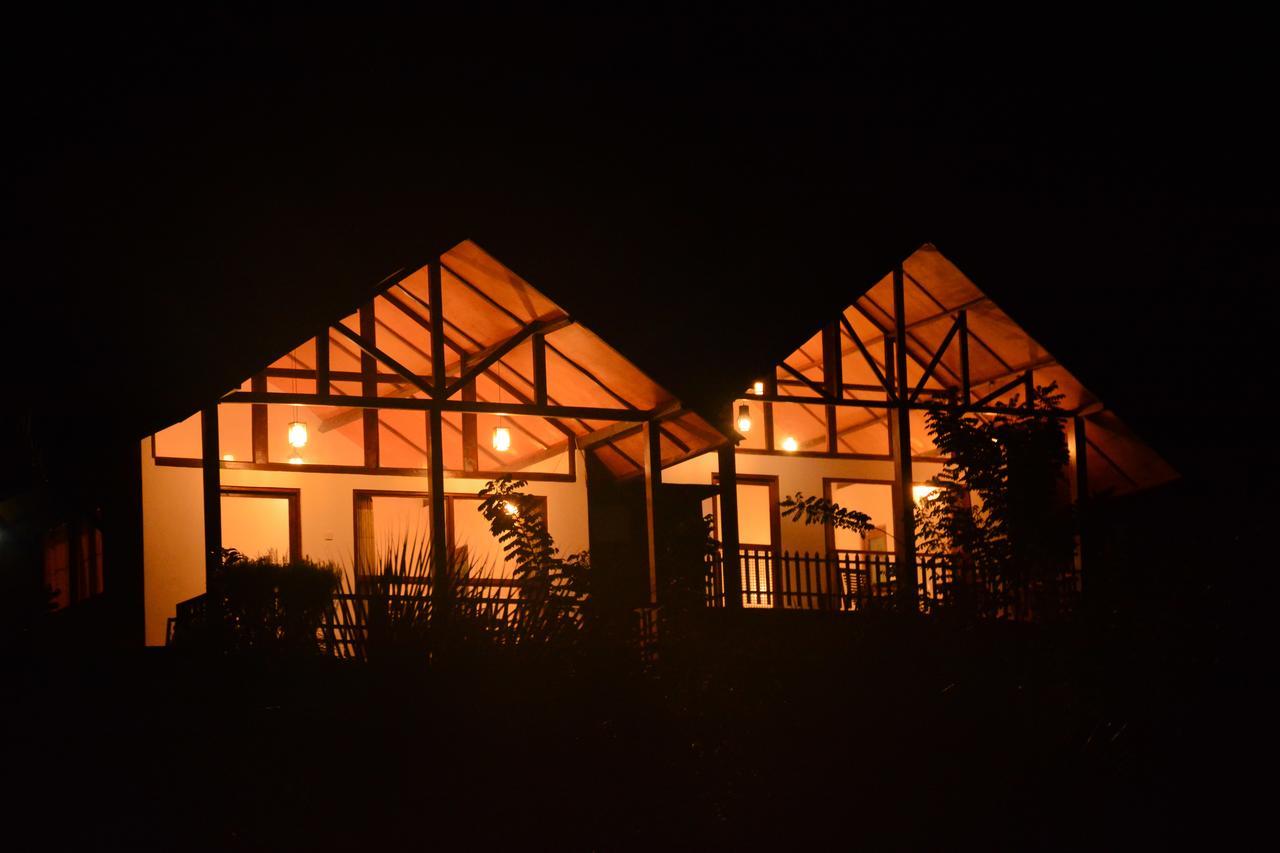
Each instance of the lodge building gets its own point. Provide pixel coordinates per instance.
(457, 371)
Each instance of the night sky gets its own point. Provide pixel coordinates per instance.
(195, 192)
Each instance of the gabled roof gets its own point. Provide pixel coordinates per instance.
(1000, 350)
(490, 314)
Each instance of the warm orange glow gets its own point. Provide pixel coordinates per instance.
(744, 419)
(758, 388)
(228, 457)
(501, 439)
(511, 509)
(790, 444)
(295, 459)
(924, 493)
(298, 434)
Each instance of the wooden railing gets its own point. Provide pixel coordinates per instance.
(489, 605)
(836, 580)
(850, 580)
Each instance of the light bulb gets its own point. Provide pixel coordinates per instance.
(501, 439)
(758, 388)
(228, 457)
(511, 509)
(744, 419)
(298, 434)
(924, 493)
(790, 444)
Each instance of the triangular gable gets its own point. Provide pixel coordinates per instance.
(1000, 352)
(500, 333)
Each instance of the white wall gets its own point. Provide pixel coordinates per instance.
(798, 473)
(173, 521)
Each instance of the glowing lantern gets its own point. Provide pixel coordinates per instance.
(298, 434)
(744, 419)
(501, 439)
(510, 508)
(790, 444)
(924, 493)
(758, 388)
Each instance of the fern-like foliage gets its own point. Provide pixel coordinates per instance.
(553, 587)
(815, 510)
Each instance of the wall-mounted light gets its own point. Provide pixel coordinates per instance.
(744, 418)
(297, 434)
(790, 444)
(758, 388)
(501, 439)
(924, 493)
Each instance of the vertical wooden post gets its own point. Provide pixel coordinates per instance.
(890, 371)
(652, 493)
(965, 384)
(771, 389)
(832, 377)
(369, 386)
(259, 439)
(470, 445)
(730, 543)
(900, 448)
(322, 363)
(439, 551)
(211, 468)
(1080, 486)
(539, 370)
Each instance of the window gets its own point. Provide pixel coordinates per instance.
(262, 522)
(759, 536)
(73, 561)
(384, 519)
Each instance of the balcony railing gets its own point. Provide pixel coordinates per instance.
(844, 580)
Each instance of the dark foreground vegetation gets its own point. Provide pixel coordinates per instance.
(762, 732)
(1139, 723)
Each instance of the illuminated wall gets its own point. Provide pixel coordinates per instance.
(173, 526)
(802, 474)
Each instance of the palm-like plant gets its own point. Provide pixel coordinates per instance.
(387, 608)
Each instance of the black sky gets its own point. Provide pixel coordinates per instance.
(194, 191)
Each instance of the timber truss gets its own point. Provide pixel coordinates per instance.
(497, 357)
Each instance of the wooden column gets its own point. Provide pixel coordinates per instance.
(259, 440)
(211, 467)
(322, 363)
(369, 386)
(771, 390)
(832, 377)
(730, 544)
(900, 449)
(1080, 490)
(435, 428)
(539, 370)
(965, 384)
(652, 493)
(470, 444)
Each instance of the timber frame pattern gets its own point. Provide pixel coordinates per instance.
(437, 392)
(892, 397)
